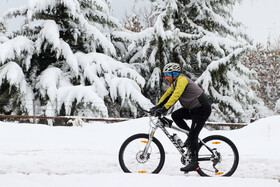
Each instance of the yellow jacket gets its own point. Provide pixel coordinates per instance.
(186, 91)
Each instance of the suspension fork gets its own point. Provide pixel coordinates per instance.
(151, 135)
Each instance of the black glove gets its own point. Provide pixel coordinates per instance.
(153, 109)
(160, 111)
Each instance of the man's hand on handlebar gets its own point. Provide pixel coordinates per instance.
(157, 110)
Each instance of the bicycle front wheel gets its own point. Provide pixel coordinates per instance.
(218, 157)
(133, 160)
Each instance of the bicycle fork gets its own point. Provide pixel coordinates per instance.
(151, 135)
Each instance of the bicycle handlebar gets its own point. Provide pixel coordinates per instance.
(145, 110)
(150, 112)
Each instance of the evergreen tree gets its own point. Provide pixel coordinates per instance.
(203, 37)
(63, 58)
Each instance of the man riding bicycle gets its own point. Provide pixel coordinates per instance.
(196, 106)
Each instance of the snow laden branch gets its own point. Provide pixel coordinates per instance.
(107, 78)
(223, 81)
(76, 13)
(11, 73)
(18, 49)
(79, 15)
(118, 78)
(49, 38)
(54, 84)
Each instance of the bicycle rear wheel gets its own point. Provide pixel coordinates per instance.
(222, 160)
(132, 159)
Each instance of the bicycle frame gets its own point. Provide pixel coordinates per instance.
(158, 124)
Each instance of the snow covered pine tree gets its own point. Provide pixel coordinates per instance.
(204, 38)
(64, 59)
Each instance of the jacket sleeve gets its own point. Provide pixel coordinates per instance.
(181, 85)
(166, 96)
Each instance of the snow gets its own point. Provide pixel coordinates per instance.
(50, 80)
(81, 94)
(120, 80)
(39, 155)
(13, 48)
(12, 72)
(39, 5)
(75, 11)
(50, 35)
(128, 180)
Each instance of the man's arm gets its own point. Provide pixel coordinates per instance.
(181, 85)
(166, 96)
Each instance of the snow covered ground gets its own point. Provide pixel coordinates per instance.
(40, 155)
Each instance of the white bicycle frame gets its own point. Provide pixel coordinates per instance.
(155, 123)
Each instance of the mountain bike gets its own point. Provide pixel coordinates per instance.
(143, 153)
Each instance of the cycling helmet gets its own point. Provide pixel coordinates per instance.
(172, 67)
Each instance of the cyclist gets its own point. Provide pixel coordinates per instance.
(196, 106)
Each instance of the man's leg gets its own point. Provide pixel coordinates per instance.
(192, 142)
(199, 117)
(178, 117)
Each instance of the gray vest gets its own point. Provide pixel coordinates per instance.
(189, 98)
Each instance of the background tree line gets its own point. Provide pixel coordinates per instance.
(266, 62)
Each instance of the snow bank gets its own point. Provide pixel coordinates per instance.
(258, 138)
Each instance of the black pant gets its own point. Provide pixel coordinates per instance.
(198, 116)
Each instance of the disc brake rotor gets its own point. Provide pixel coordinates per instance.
(141, 158)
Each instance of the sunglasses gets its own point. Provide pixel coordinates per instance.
(175, 74)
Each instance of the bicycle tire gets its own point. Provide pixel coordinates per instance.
(130, 151)
(228, 163)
